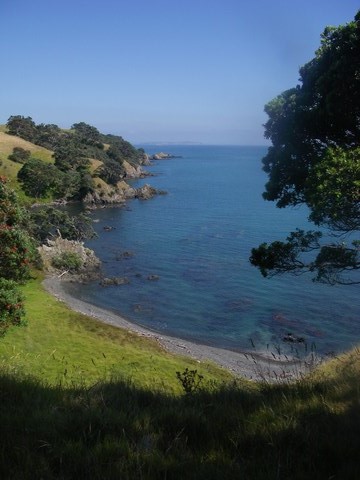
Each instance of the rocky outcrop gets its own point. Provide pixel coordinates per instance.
(147, 191)
(133, 171)
(90, 264)
(163, 156)
(119, 194)
(94, 199)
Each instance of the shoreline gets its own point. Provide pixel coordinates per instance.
(250, 365)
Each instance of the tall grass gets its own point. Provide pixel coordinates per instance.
(113, 429)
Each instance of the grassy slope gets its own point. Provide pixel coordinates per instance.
(9, 168)
(59, 345)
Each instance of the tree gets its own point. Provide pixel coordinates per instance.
(315, 160)
(19, 155)
(16, 252)
(38, 179)
(11, 305)
(48, 135)
(49, 221)
(69, 154)
(22, 127)
(87, 134)
(111, 172)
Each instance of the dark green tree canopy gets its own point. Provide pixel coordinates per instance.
(315, 159)
(21, 126)
(19, 155)
(38, 178)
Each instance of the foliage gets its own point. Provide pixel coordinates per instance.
(39, 179)
(111, 172)
(315, 159)
(120, 150)
(69, 154)
(11, 305)
(11, 213)
(49, 221)
(16, 252)
(87, 134)
(20, 155)
(16, 247)
(67, 260)
(72, 152)
(48, 135)
(190, 380)
(23, 127)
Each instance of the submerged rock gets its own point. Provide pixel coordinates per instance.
(291, 338)
(108, 281)
(153, 277)
(124, 255)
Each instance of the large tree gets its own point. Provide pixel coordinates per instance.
(315, 160)
(16, 252)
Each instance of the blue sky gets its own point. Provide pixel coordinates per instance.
(158, 70)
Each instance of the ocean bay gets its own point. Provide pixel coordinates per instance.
(197, 240)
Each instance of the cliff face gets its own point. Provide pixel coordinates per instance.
(132, 171)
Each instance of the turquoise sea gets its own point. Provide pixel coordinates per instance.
(197, 239)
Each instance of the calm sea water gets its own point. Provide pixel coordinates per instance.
(197, 239)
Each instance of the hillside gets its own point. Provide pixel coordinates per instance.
(83, 164)
(9, 168)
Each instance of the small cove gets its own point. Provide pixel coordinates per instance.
(197, 240)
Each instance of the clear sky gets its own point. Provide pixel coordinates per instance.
(158, 70)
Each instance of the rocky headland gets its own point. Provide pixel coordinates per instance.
(163, 156)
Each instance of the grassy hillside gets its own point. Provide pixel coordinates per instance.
(135, 425)
(79, 399)
(59, 345)
(104, 184)
(9, 168)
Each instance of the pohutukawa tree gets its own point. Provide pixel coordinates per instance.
(16, 252)
(315, 160)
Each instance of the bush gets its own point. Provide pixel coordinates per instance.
(11, 305)
(67, 260)
(20, 155)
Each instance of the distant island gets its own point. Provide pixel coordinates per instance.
(169, 143)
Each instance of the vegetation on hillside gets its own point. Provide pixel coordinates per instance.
(70, 176)
(315, 160)
(16, 252)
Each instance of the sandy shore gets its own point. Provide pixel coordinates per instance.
(251, 365)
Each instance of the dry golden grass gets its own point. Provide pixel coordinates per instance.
(94, 164)
(10, 169)
(8, 142)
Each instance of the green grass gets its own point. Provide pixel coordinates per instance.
(59, 345)
(79, 399)
(115, 429)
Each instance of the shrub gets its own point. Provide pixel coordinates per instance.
(19, 155)
(67, 260)
(11, 305)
